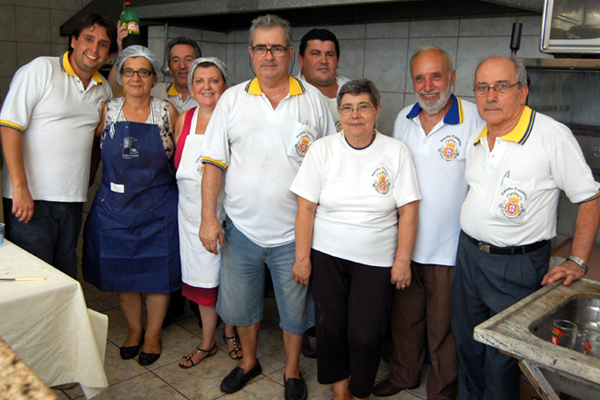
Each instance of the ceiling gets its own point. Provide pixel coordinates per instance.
(230, 15)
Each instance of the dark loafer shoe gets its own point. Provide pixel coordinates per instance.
(386, 388)
(295, 389)
(127, 353)
(148, 358)
(236, 379)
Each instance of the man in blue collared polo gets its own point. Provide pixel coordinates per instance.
(516, 169)
(436, 130)
(47, 127)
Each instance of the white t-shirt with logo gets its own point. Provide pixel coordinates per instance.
(358, 192)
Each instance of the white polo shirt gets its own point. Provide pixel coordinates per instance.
(57, 117)
(440, 162)
(262, 149)
(358, 192)
(167, 91)
(340, 80)
(514, 189)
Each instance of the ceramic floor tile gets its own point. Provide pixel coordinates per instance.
(308, 368)
(74, 393)
(143, 387)
(100, 301)
(383, 371)
(117, 369)
(260, 388)
(165, 380)
(60, 394)
(176, 342)
(201, 382)
(117, 326)
(270, 350)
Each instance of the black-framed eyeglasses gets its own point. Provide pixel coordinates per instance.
(501, 88)
(142, 72)
(362, 109)
(277, 50)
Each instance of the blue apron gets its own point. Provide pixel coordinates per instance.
(131, 241)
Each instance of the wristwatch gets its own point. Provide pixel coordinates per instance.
(579, 262)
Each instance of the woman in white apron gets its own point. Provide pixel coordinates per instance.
(207, 80)
(131, 243)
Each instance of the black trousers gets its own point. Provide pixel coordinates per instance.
(351, 313)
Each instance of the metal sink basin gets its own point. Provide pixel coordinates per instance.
(524, 329)
(584, 311)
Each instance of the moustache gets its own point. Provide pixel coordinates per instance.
(269, 64)
(434, 91)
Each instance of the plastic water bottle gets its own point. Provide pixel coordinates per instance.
(130, 18)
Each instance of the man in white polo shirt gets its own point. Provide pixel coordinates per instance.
(319, 57)
(47, 128)
(436, 129)
(516, 169)
(182, 52)
(260, 131)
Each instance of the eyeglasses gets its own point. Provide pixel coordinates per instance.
(361, 108)
(277, 50)
(142, 72)
(501, 88)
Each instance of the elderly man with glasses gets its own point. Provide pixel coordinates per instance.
(516, 168)
(259, 133)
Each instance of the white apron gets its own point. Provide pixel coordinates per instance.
(199, 268)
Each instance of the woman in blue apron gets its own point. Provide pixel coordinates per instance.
(131, 243)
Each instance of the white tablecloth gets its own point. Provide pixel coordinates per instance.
(48, 323)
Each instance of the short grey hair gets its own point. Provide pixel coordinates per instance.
(516, 61)
(136, 51)
(359, 86)
(206, 62)
(271, 21)
(423, 49)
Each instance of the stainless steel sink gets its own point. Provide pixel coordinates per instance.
(584, 311)
(524, 329)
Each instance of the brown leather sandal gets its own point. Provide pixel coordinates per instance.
(189, 357)
(236, 348)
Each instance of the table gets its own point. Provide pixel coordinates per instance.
(48, 324)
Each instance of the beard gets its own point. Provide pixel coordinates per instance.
(433, 107)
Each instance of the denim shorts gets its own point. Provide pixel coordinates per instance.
(242, 284)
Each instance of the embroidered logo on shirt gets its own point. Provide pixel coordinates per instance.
(449, 150)
(382, 183)
(128, 150)
(512, 203)
(303, 144)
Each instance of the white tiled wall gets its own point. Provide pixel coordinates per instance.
(29, 29)
(381, 51)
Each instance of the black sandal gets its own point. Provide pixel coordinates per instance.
(189, 357)
(236, 348)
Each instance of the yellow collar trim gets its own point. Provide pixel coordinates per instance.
(172, 90)
(68, 68)
(296, 87)
(520, 133)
